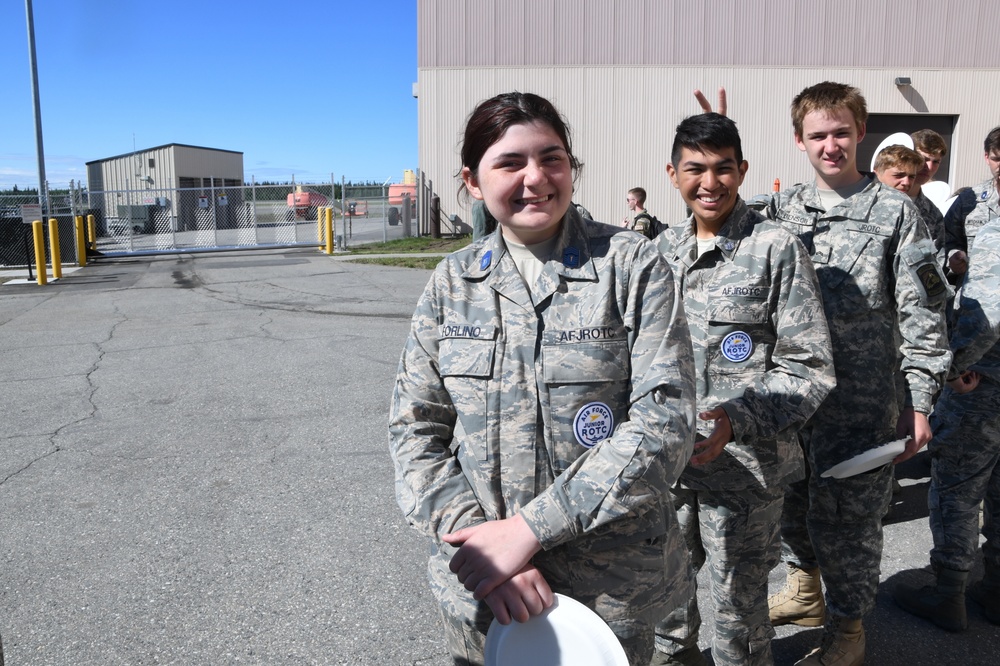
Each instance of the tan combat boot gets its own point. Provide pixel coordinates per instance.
(800, 601)
(843, 645)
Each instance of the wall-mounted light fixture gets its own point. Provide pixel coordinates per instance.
(902, 81)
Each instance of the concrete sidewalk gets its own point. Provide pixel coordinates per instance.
(194, 470)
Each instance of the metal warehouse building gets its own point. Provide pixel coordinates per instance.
(623, 72)
(140, 188)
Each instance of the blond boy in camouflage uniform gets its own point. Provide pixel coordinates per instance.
(878, 274)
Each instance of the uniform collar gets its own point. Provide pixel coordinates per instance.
(855, 207)
(571, 256)
(571, 259)
(738, 225)
(992, 198)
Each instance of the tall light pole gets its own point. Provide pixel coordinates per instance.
(43, 195)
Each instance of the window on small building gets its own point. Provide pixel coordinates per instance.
(152, 163)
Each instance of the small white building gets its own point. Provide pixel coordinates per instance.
(147, 189)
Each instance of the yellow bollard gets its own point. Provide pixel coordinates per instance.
(39, 237)
(81, 240)
(92, 231)
(54, 248)
(329, 231)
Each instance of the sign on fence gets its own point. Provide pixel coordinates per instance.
(31, 212)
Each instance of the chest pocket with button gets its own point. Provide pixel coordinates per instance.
(466, 359)
(740, 336)
(851, 267)
(577, 374)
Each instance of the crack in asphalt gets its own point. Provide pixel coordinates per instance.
(91, 392)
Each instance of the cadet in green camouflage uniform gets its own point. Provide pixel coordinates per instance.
(966, 449)
(544, 403)
(932, 148)
(764, 364)
(973, 208)
(878, 274)
(934, 220)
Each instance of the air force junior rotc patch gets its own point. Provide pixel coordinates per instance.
(737, 346)
(593, 423)
(484, 263)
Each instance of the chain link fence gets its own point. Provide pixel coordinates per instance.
(222, 215)
(226, 214)
(16, 245)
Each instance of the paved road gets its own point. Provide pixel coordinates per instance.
(194, 471)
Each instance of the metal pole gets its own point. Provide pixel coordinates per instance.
(253, 197)
(333, 209)
(39, 238)
(343, 205)
(27, 250)
(421, 200)
(39, 149)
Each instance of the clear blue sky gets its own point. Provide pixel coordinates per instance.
(302, 88)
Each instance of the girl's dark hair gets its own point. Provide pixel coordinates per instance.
(488, 123)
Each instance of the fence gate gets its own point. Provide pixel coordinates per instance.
(213, 216)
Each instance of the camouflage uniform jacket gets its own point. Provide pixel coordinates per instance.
(877, 271)
(576, 412)
(976, 327)
(934, 220)
(970, 211)
(761, 345)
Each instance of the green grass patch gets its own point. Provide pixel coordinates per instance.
(428, 263)
(421, 244)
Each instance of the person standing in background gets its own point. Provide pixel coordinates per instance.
(932, 148)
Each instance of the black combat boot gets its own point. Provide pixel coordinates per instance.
(942, 603)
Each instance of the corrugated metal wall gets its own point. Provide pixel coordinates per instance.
(766, 33)
(582, 54)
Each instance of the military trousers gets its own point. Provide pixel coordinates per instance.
(734, 533)
(965, 453)
(623, 585)
(836, 525)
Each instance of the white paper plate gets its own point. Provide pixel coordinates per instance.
(566, 633)
(937, 191)
(867, 461)
(897, 139)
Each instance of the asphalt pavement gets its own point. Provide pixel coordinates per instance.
(194, 470)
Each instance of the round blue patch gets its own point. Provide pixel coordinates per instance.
(737, 346)
(593, 423)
